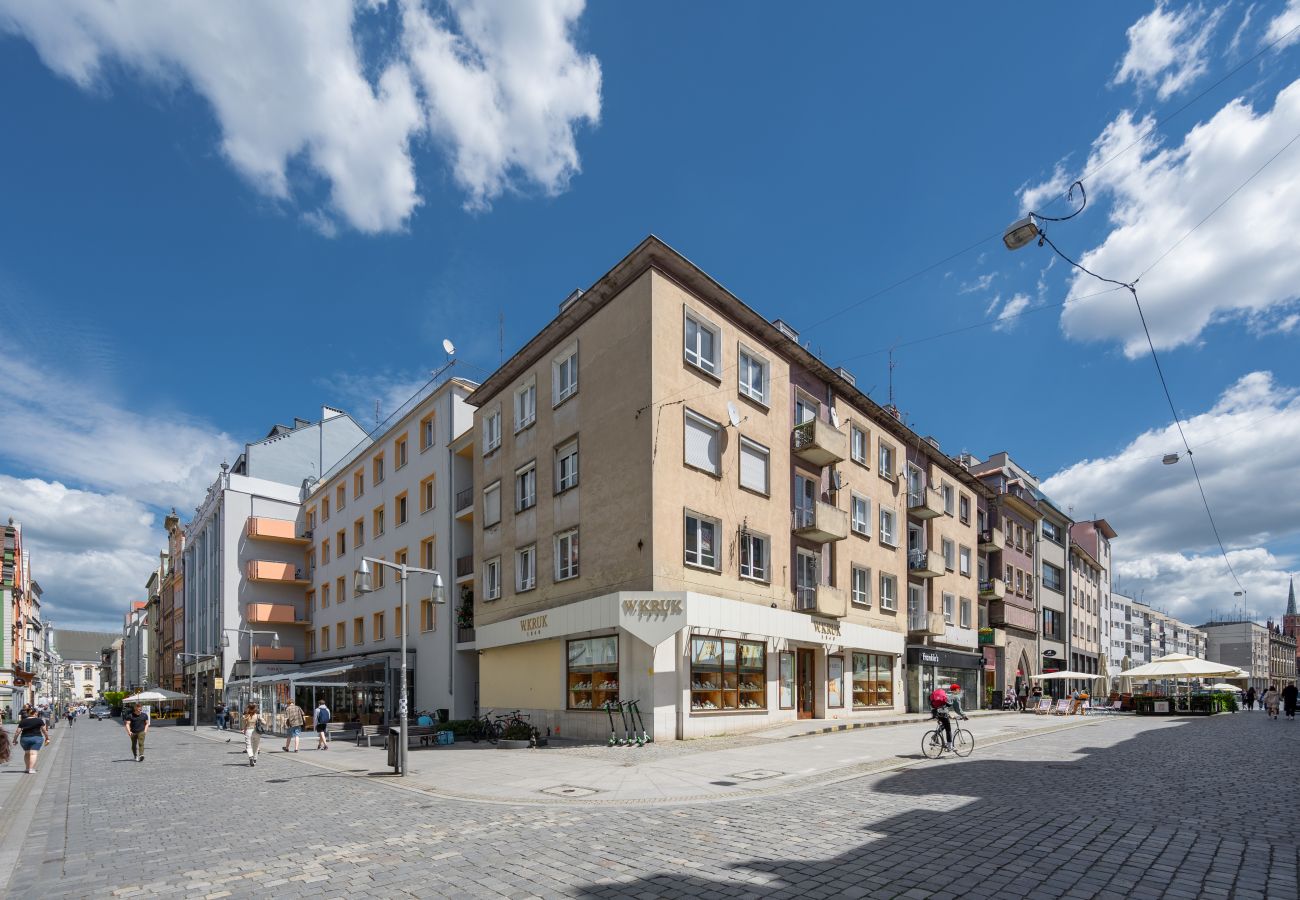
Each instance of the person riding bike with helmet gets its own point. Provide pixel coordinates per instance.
(943, 706)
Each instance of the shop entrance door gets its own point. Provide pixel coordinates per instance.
(804, 665)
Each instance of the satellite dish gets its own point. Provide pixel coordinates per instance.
(835, 418)
(449, 347)
(733, 414)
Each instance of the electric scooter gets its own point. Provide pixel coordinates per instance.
(640, 723)
(609, 708)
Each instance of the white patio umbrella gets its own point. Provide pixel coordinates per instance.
(157, 695)
(1062, 675)
(1224, 687)
(1180, 665)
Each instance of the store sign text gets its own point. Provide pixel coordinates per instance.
(532, 625)
(645, 607)
(827, 627)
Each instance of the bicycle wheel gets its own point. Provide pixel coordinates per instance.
(932, 744)
(492, 731)
(963, 742)
(475, 731)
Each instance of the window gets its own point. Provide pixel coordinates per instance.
(886, 466)
(399, 452)
(861, 586)
(340, 635)
(1010, 573)
(358, 533)
(835, 682)
(1051, 532)
(702, 345)
(426, 432)
(965, 612)
(859, 444)
(400, 511)
(566, 555)
(399, 556)
(398, 625)
(703, 438)
(358, 485)
(949, 553)
(806, 573)
(860, 515)
(311, 519)
(492, 504)
(754, 555)
(526, 568)
(427, 620)
(1029, 583)
(701, 541)
(378, 518)
(358, 631)
(311, 647)
(492, 579)
(888, 527)
(566, 466)
(325, 639)
(873, 680)
(427, 548)
(325, 550)
(341, 541)
(491, 430)
(963, 509)
(1020, 581)
(380, 573)
(428, 494)
(526, 486)
(727, 674)
(325, 509)
(963, 561)
(786, 679)
(754, 461)
(592, 672)
(311, 602)
(888, 592)
(377, 626)
(753, 375)
(340, 594)
(949, 497)
(564, 376)
(949, 608)
(526, 405)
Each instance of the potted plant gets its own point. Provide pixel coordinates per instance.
(465, 612)
(517, 736)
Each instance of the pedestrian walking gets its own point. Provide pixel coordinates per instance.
(253, 725)
(294, 720)
(1250, 697)
(4, 747)
(31, 733)
(1009, 700)
(1271, 701)
(137, 726)
(221, 717)
(72, 717)
(322, 719)
(1289, 696)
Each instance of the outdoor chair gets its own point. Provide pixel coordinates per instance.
(1062, 707)
(1044, 706)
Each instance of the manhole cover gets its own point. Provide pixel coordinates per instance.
(756, 774)
(568, 790)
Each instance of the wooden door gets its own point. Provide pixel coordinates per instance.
(804, 678)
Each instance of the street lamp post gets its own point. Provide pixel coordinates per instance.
(437, 595)
(198, 657)
(275, 643)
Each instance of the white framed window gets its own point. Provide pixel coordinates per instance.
(886, 462)
(754, 554)
(526, 404)
(949, 497)
(949, 554)
(754, 465)
(888, 592)
(566, 555)
(566, 466)
(888, 527)
(806, 407)
(807, 573)
(965, 612)
(963, 560)
(526, 486)
(963, 508)
(949, 607)
(861, 586)
(860, 514)
(702, 345)
(564, 375)
(492, 504)
(701, 541)
(703, 440)
(491, 430)
(492, 579)
(859, 444)
(526, 568)
(754, 375)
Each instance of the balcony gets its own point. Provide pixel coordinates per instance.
(991, 539)
(1012, 616)
(273, 614)
(819, 444)
(992, 589)
(925, 563)
(464, 566)
(822, 600)
(465, 635)
(280, 531)
(820, 522)
(993, 637)
(927, 503)
(261, 570)
(924, 623)
(463, 506)
(272, 654)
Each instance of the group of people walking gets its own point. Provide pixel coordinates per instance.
(31, 734)
(1271, 700)
(254, 725)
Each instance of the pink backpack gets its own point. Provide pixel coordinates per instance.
(938, 698)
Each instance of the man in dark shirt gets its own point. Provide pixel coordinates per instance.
(137, 726)
(1289, 695)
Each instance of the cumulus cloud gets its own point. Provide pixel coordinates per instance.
(1285, 26)
(1009, 314)
(1245, 449)
(1177, 583)
(1168, 50)
(1240, 262)
(288, 83)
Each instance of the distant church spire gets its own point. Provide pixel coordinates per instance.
(1290, 599)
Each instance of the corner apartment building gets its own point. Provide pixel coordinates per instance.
(1090, 591)
(391, 499)
(677, 504)
(1281, 656)
(1053, 591)
(245, 562)
(1242, 643)
(1157, 634)
(1125, 635)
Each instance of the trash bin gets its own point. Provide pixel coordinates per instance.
(443, 716)
(395, 749)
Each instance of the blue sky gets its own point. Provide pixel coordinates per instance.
(198, 240)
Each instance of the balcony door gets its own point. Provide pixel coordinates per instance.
(807, 571)
(805, 409)
(915, 606)
(915, 485)
(805, 501)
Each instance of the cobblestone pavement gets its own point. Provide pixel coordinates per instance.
(1125, 807)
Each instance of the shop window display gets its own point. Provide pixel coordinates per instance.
(727, 675)
(787, 680)
(593, 672)
(873, 680)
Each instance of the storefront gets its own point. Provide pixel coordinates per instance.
(359, 691)
(695, 664)
(930, 667)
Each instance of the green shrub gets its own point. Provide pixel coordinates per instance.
(518, 731)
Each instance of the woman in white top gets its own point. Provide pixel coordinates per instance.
(253, 723)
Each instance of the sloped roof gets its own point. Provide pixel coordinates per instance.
(82, 646)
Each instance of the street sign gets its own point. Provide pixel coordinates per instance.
(218, 684)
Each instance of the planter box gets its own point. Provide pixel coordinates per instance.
(513, 745)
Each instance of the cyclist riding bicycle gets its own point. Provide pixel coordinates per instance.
(943, 706)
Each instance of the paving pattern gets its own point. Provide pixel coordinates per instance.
(1125, 807)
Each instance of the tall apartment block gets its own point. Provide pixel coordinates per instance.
(1243, 643)
(1089, 594)
(676, 503)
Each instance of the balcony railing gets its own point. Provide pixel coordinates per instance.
(273, 614)
(272, 654)
(1013, 616)
(465, 499)
(279, 572)
(819, 443)
(465, 635)
(464, 566)
(282, 531)
(991, 539)
(822, 600)
(821, 522)
(923, 622)
(925, 563)
(924, 503)
(992, 589)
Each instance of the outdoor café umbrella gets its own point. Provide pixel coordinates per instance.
(157, 695)
(1224, 687)
(1180, 665)
(1048, 676)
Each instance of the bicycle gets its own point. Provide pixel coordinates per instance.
(484, 728)
(933, 747)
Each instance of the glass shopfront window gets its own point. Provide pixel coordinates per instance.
(787, 680)
(728, 675)
(835, 682)
(592, 677)
(873, 680)
(928, 668)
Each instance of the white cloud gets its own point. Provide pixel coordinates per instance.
(1286, 23)
(287, 83)
(1168, 51)
(1245, 448)
(979, 285)
(1009, 314)
(1235, 44)
(1240, 262)
(1177, 583)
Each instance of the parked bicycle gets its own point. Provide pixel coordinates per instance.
(933, 743)
(485, 728)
